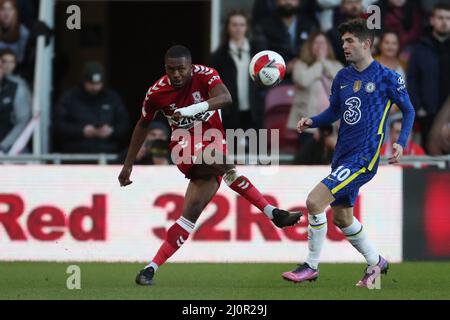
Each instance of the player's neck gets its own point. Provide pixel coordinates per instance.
(360, 66)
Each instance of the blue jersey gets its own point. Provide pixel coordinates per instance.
(361, 100)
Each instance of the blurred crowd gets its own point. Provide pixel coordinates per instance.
(414, 40)
(19, 28)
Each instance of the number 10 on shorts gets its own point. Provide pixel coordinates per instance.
(341, 173)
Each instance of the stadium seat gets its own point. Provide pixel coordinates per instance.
(277, 107)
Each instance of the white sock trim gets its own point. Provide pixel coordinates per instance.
(188, 227)
(352, 229)
(317, 219)
(230, 176)
(187, 222)
(268, 211)
(153, 265)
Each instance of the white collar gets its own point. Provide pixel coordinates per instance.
(245, 46)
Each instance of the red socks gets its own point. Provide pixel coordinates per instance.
(245, 188)
(176, 236)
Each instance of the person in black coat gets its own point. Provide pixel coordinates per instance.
(91, 118)
(284, 32)
(428, 71)
(231, 60)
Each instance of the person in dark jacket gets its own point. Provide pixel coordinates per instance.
(429, 70)
(318, 150)
(15, 111)
(348, 10)
(91, 118)
(284, 32)
(231, 60)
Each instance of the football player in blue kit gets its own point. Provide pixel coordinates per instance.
(361, 96)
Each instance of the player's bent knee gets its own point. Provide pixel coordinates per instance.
(231, 176)
(313, 205)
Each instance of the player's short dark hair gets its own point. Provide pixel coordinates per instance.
(178, 51)
(441, 6)
(357, 27)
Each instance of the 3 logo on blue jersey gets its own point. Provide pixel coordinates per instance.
(353, 114)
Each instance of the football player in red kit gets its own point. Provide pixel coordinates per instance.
(190, 96)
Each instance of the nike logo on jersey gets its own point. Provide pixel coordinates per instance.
(343, 87)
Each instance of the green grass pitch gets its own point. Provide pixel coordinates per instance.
(204, 281)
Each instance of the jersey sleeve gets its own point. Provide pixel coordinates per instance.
(397, 88)
(209, 76)
(149, 107)
(399, 95)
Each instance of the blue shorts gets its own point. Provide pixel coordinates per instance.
(344, 182)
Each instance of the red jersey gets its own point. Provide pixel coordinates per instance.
(165, 98)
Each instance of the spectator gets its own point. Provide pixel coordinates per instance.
(327, 12)
(429, 70)
(13, 34)
(156, 131)
(428, 5)
(284, 32)
(411, 148)
(318, 150)
(9, 60)
(405, 17)
(349, 9)
(439, 137)
(313, 74)
(15, 111)
(91, 118)
(265, 8)
(158, 152)
(389, 48)
(262, 9)
(231, 60)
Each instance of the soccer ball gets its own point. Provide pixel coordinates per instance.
(267, 67)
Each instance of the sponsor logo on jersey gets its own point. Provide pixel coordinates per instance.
(189, 122)
(353, 114)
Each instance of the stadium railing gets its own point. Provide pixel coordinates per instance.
(442, 162)
(57, 158)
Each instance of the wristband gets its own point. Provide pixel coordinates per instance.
(193, 109)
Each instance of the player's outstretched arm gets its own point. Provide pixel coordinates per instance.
(330, 115)
(219, 97)
(407, 123)
(137, 139)
(327, 117)
(399, 96)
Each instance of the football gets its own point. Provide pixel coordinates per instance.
(267, 68)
